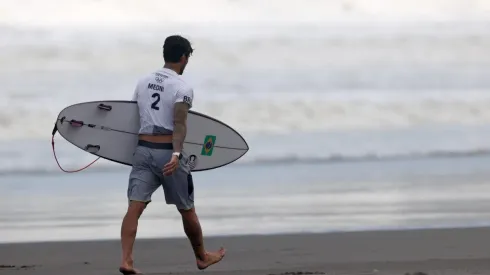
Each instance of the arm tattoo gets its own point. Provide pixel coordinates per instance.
(180, 125)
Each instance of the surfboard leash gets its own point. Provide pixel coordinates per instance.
(55, 129)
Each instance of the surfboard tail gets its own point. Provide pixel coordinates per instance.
(53, 133)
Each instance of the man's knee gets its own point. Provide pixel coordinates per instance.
(186, 211)
(136, 208)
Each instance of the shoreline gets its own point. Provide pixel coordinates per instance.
(450, 250)
(254, 235)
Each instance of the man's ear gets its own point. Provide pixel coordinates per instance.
(183, 59)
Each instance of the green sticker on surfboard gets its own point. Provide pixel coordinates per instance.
(208, 146)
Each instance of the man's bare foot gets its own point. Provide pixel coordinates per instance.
(211, 258)
(129, 270)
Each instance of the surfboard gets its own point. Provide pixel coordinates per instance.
(109, 129)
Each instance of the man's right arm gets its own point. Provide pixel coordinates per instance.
(181, 108)
(180, 125)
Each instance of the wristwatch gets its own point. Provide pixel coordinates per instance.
(178, 154)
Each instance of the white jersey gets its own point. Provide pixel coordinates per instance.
(156, 95)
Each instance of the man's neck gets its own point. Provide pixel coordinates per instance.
(172, 67)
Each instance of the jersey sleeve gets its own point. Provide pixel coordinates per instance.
(185, 95)
(135, 93)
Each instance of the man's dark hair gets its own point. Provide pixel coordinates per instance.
(174, 47)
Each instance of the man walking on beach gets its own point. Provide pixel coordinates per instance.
(164, 100)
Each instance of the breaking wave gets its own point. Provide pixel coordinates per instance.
(103, 166)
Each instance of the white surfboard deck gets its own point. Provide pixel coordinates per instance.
(109, 129)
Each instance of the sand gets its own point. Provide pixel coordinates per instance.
(449, 251)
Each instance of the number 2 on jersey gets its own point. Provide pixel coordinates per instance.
(154, 104)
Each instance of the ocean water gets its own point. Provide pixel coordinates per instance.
(359, 114)
(257, 199)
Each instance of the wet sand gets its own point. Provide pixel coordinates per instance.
(449, 251)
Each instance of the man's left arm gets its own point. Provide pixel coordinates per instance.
(135, 93)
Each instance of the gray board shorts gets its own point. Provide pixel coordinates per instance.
(147, 176)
